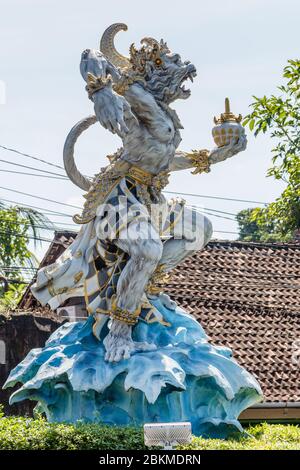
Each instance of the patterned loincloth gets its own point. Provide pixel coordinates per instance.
(92, 264)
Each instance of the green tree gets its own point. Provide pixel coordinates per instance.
(254, 226)
(281, 116)
(17, 226)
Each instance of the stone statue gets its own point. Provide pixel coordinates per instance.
(138, 357)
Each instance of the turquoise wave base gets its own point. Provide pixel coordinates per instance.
(184, 379)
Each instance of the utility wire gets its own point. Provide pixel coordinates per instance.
(210, 209)
(33, 168)
(45, 211)
(216, 197)
(65, 229)
(62, 214)
(8, 232)
(219, 216)
(53, 227)
(225, 231)
(30, 156)
(48, 240)
(33, 174)
(65, 224)
(78, 207)
(41, 198)
(167, 192)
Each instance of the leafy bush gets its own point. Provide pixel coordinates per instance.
(280, 115)
(9, 300)
(27, 433)
(261, 437)
(33, 434)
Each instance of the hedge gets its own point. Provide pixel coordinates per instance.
(27, 433)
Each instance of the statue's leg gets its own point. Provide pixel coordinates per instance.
(144, 247)
(143, 244)
(196, 233)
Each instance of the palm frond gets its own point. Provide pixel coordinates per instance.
(36, 221)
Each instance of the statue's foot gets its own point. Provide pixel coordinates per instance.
(119, 344)
(120, 349)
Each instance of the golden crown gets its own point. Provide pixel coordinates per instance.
(151, 51)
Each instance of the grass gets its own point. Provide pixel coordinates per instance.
(38, 434)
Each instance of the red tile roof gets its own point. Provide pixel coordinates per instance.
(246, 296)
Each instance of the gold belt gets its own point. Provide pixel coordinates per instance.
(141, 176)
(148, 179)
(106, 181)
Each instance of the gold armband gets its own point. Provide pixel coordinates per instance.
(96, 83)
(120, 314)
(158, 278)
(199, 160)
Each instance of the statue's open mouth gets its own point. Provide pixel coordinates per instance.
(189, 74)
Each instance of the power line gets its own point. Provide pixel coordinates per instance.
(65, 224)
(78, 207)
(219, 216)
(8, 232)
(45, 211)
(33, 168)
(225, 231)
(32, 157)
(168, 192)
(216, 197)
(39, 197)
(33, 174)
(62, 214)
(64, 228)
(48, 240)
(43, 226)
(210, 209)
(57, 214)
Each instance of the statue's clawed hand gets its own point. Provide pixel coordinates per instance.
(220, 154)
(119, 344)
(110, 110)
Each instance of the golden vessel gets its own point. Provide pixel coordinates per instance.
(227, 127)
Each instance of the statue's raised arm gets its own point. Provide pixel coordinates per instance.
(99, 74)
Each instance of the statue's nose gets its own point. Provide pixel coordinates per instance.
(190, 68)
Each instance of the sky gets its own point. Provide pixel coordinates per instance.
(239, 49)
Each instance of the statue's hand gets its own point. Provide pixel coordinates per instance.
(219, 154)
(110, 110)
(119, 344)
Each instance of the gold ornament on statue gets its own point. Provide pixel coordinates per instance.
(227, 127)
